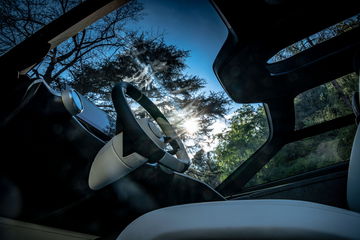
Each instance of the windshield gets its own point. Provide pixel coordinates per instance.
(166, 49)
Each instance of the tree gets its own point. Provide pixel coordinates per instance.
(205, 168)
(248, 130)
(156, 69)
(325, 102)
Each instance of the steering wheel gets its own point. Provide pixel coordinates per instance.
(137, 133)
(137, 141)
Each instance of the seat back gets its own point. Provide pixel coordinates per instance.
(353, 184)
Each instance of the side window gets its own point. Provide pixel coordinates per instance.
(323, 103)
(306, 155)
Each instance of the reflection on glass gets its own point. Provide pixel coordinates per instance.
(76, 100)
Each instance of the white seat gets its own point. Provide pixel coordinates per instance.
(246, 219)
(353, 184)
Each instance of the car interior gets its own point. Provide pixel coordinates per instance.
(66, 175)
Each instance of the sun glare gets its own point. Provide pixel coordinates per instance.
(191, 125)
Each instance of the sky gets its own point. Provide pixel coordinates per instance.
(189, 25)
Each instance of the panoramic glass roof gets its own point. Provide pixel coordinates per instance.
(317, 38)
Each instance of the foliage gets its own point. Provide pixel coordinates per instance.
(248, 130)
(320, 104)
(326, 102)
(306, 155)
(205, 168)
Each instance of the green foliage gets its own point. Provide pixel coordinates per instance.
(326, 102)
(205, 168)
(306, 155)
(247, 132)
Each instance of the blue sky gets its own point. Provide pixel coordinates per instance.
(190, 25)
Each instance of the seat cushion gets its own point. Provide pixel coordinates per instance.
(246, 219)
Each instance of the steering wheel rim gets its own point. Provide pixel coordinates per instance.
(135, 134)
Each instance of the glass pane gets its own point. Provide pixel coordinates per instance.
(19, 19)
(155, 45)
(307, 154)
(317, 38)
(325, 102)
(248, 131)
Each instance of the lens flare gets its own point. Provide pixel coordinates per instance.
(191, 125)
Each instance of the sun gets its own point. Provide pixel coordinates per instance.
(191, 125)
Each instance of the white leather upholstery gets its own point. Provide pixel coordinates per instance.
(246, 219)
(353, 184)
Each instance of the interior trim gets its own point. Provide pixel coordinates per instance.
(288, 186)
(13, 229)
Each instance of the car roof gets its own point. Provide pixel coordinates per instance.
(258, 29)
